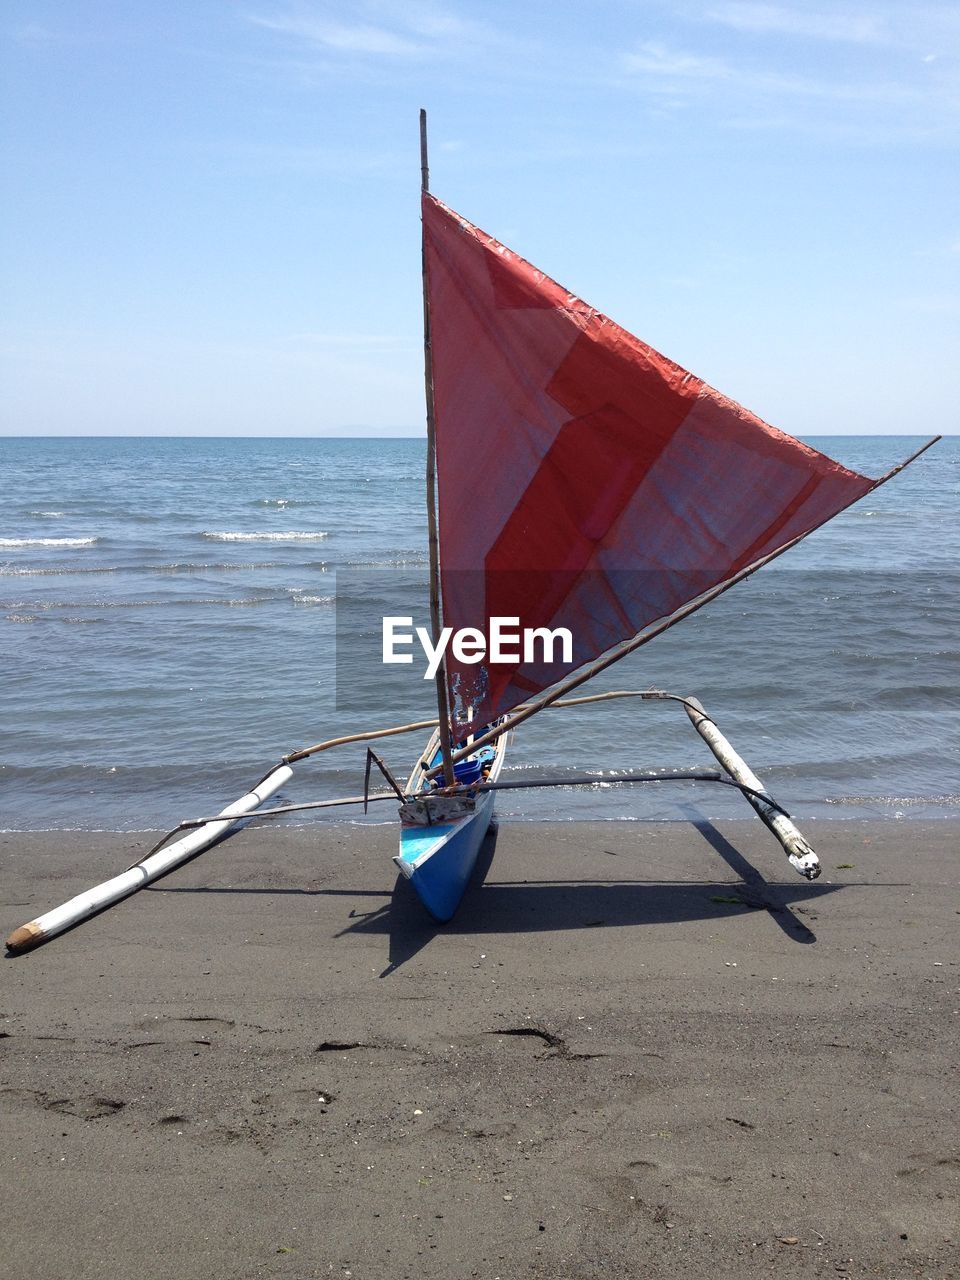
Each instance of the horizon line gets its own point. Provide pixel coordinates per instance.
(147, 435)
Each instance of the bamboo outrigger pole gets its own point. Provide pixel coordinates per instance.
(147, 869)
(443, 706)
(798, 849)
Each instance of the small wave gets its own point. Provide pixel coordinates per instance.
(48, 515)
(280, 502)
(20, 617)
(893, 802)
(219, 567)
(184, 566)
(412, 562)
(47, 542)
(290, 535)
(172, 602)
(299, 599)
(10, 571)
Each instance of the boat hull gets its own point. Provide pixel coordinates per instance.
(439, 859)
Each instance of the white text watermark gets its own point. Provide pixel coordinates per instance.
(506, 643)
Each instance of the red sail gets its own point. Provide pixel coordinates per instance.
(584, 480)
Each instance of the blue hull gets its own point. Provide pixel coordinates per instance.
(439, 861)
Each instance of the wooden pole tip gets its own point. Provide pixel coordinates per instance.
(24, 938)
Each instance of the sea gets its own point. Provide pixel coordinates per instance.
(174, 619)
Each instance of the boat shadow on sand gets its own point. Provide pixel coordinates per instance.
(492, 906)
(528, 906)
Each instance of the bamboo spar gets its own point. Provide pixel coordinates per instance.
(799, 852)
(443, 707)
(142, 873)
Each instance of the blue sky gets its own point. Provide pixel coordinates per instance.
(210, 208)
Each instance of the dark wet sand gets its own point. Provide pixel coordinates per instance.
(638, 1050)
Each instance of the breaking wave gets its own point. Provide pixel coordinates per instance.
(47, 542)
(60, 571)
(8, 571)
(172, 602)
(290, 535)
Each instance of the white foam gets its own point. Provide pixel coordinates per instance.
(50, 515)
(290, 535)
(47, 542)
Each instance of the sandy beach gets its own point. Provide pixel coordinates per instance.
(638, 1050)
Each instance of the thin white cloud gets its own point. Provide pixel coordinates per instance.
(427, 18)
(655, 59)
(358, 39)
(929, 30)
(816, 24)
(933, 304)
(37, 35)
(392, 29)
(34, 33)
(662, 70)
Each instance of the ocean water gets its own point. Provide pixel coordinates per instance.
(168, 630)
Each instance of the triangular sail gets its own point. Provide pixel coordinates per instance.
(585, 481)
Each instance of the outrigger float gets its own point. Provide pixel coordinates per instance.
(576, 479)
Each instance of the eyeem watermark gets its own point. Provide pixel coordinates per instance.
(506, 643)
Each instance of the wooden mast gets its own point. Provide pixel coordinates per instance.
(443, 707)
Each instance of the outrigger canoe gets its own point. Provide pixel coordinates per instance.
(577, 480)
(440, 836)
